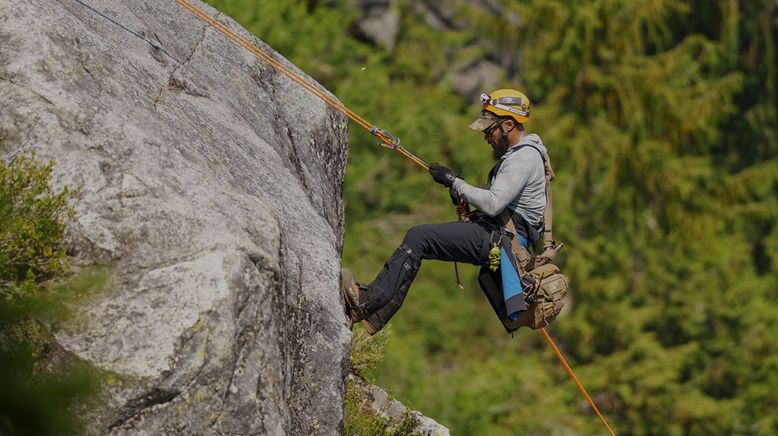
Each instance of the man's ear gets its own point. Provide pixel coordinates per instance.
(509, 125)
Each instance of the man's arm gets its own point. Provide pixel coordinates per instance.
(508, 183)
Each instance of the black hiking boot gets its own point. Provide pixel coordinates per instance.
(351, 291)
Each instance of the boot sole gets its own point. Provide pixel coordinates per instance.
(368, 327)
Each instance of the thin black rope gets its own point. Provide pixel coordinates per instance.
(137, 35)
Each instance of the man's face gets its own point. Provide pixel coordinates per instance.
(493, 136)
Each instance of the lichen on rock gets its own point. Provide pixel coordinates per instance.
(213, 185)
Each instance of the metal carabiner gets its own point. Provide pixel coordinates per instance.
(382, 135)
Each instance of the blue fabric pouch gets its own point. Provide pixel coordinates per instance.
(512, 290)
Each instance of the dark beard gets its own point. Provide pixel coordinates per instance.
(499, 150)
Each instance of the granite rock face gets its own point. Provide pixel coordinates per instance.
(212, 185)
(395, 412)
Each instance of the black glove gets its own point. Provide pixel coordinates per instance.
(442, 175)
(455, 197)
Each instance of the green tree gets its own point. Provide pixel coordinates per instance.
(34, 398)
(660, 117)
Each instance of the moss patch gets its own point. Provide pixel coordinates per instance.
(361, 417)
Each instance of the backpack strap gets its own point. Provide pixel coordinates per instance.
(550, 247)
(548, 216)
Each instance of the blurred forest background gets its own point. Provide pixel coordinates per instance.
(661, 119)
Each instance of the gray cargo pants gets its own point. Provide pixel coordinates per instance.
(466, 242)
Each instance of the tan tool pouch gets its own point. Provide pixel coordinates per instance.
(550, 286)
(550, 293)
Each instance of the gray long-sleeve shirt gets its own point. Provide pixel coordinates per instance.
(519, 184)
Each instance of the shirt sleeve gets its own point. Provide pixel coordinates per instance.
(508, 183)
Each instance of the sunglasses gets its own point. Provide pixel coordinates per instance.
(488, 131)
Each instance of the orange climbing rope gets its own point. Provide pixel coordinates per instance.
(575, 379)
(385, 138)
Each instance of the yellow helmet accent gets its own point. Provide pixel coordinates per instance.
(507, 103)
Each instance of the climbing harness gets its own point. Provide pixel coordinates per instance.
(385, 139)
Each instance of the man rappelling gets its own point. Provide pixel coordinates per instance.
(509, 217)
(512, 210)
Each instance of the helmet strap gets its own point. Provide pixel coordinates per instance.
(501, 147)
(504, 135)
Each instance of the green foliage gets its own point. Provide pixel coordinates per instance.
(35, 402)
(360, 418)
(367, 351)
(407, 425)
(35, 395)
(661, 118)
(32, 224)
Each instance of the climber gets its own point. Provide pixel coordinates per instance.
(515, 191)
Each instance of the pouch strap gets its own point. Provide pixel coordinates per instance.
(523, 258)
